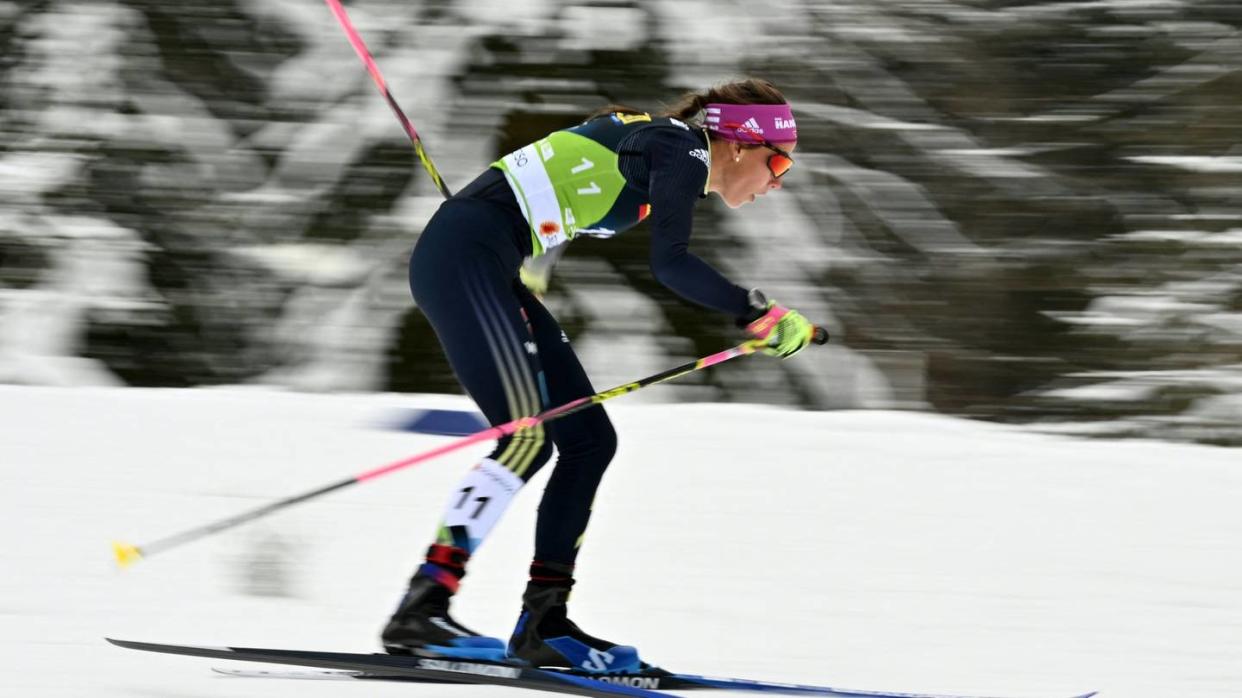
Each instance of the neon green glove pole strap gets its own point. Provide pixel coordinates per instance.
(785, 332)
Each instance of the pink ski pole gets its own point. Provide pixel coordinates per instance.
(361, 49)
(127, 554)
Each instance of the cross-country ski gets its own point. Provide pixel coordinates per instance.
(382, 667)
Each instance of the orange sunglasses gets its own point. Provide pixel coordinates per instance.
(779, 162)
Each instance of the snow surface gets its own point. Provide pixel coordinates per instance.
(878, 550)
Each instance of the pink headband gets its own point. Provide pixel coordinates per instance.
(752, 123)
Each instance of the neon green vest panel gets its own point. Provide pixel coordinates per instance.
(569, 182)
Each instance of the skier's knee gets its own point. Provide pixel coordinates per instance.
(525, 452)
(594, 441)
(607, 437)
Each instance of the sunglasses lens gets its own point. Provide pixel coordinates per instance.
(779, 164)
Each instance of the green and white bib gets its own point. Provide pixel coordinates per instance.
(569, 183)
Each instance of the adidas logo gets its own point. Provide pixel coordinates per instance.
(701, 155)
(751, 126)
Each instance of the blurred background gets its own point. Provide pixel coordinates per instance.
(1002, 209)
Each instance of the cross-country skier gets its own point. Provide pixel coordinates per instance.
(598, 178)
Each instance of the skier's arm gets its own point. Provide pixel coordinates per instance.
(677, 179)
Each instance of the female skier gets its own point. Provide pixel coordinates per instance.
(598, 178)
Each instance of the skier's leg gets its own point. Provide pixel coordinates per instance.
(585, 443)
(464, 285)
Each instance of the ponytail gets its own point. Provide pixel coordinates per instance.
(688, 107)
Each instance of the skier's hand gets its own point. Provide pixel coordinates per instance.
(786, 331)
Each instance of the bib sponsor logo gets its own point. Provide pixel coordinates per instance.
(487, 467)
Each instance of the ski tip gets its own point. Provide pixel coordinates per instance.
(125, 554)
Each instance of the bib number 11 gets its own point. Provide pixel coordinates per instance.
(481, 498)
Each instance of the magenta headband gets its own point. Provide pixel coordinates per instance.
(752, 123)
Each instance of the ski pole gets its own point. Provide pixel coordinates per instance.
(361, 49)
(127, 554)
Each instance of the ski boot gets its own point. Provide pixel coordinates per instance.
(546, 637)
(421, 624)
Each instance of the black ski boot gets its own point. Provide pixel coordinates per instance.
(546, 637)
(421, 624)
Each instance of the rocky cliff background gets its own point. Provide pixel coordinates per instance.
(1004, 209)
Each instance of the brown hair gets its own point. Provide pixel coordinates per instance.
(748, 91)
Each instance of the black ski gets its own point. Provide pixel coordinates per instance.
(385, 667)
